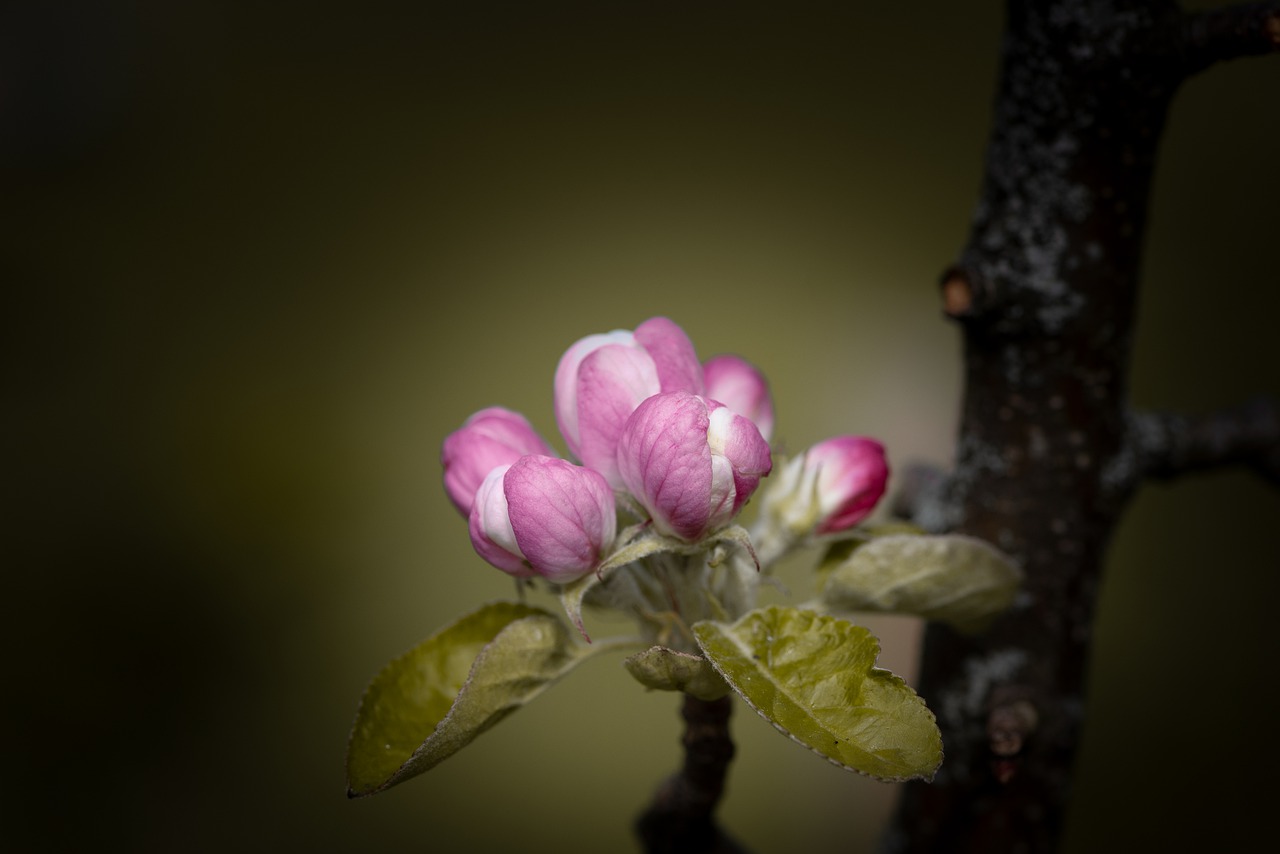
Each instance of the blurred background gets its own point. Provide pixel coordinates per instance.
(261, 258)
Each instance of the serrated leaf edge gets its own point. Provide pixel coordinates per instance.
(573, 658)
(873, 671)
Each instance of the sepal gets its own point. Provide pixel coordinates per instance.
(642, 541)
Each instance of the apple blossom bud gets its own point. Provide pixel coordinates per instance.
(488, 439)
(739, 385)
(830, 488)
(691, 462)
(543, 516)
(601, 379)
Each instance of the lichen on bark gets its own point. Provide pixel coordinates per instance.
(1048, 451)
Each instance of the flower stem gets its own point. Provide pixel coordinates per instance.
(680, 818)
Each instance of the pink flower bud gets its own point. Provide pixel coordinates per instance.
(488, 439)
(831, 488)
(601, 379)
(543, 516)
(691, 462)
(739, 385)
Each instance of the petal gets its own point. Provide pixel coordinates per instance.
(563, 516)
(673, 354)
(612, 381)
(722, 502)
(739, 385)
(489, 438)
(737, 439)
(566, 380)
(664, 461)
(506, 426)
(852, 476)
(491, 532)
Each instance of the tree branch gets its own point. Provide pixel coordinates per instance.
(1048, 453)
(1166, 445)
(1217, 35)
(680, 819)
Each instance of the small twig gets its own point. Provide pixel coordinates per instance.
(1168, 445)
(680, 820)
(1232, 32)
(960, 292)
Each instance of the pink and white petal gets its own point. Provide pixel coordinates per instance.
(490, 527)
(741, 386)
(852, 476)
(664, 461)
(563, 516)
(468, 458)
(566, 380)
(612, 381)
(509, 427)
(489, 438)
(737, 439)
(721, 503)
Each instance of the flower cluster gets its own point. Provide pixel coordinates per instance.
(652, 429)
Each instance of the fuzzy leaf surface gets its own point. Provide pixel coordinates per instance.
(950, 578)
(663, 669)
(435, 699)
(814, 678)
(841, 546)
(953, 578)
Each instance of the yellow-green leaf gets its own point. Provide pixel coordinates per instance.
(435, 699)
(665, 669)
(814, 678)
(953, 578)
(840, 546)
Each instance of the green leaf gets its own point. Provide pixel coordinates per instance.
(435, 699)
(953, 578)
(814, 678)
(841, 545)
(665, 669)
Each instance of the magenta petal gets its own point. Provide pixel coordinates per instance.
(673, 354)
(563, 516)
(852, 475)
(612, 381)
(664, 461)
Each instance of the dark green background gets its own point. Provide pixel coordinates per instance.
(261, 258)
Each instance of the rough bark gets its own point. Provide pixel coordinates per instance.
(681, 818)
(1048, 450)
